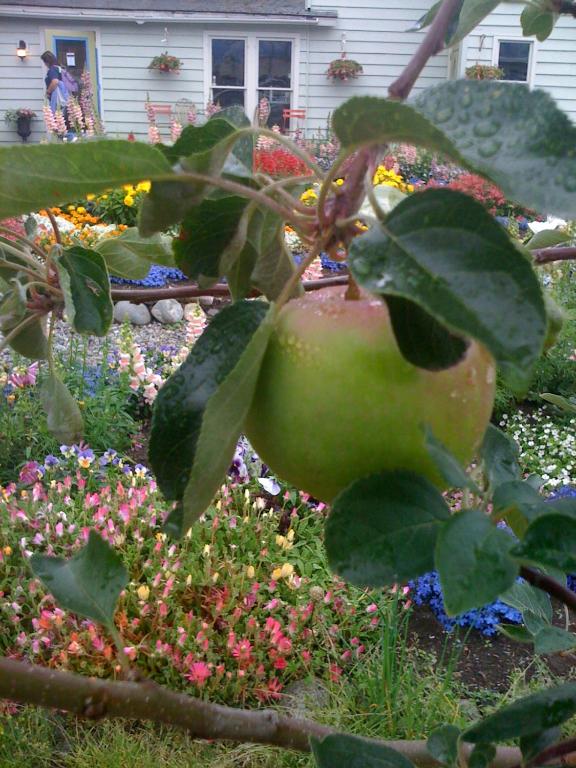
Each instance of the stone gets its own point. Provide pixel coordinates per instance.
(191, 309)
(304, 698)
(206, 301)
(137, 314)
(168, 311)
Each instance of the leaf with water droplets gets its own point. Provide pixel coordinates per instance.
(473, 561)
(440, 250)
(199, 412)
(89, 583)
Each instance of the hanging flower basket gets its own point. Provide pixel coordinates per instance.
(165, 63)
(484, 72)
(344, 69)
(22, 118)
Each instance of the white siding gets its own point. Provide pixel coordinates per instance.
(377, 37)
(554, 59)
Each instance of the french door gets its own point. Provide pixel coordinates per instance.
(242, 70)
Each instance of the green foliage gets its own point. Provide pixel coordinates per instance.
(397, 517)
(339, 751)
(129, 255)
(474, 562)
(527, 717)
(443, 744)
(200, 411)
(88, 584)
(85, 282)
(64, 419)
(70, 171)
(455, 282)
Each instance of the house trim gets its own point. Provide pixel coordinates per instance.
(174, 17)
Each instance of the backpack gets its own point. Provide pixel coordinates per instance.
(69, 81)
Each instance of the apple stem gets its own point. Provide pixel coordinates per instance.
(353, 291)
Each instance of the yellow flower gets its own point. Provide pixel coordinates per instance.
(71, 208)
(339, 182)
(189, 580)
(287, 570)
(309, 197)
(129, 201)
(206, 550)
(7, 551)
(283, 542)
(250, 571)
(215, 577)
(103, 197)
(277, 574)
(290, 535)
(80, 209)
(143, 592)
(144, 186)
(11, 398)
(90, 196)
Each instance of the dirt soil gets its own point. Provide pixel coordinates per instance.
(484, 663)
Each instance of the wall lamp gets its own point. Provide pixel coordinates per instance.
(21, 50)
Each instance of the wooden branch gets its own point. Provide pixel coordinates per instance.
(95, 698)
(432, 44)
(551, 586)
(559, 253)
(139, 295)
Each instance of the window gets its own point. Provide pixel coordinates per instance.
(514, 57)
(243, 70)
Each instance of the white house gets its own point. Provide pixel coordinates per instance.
(236, 51)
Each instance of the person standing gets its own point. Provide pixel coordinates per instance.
(56, 91)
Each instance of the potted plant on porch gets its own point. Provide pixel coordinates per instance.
(344, 69)
(22, 118)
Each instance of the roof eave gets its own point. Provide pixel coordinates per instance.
(174, 17)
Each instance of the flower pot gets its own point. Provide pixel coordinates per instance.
(24, 127)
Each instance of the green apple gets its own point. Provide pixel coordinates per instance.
(336, 400)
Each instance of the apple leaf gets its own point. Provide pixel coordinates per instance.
(31, 341)
(553, 640)
(34, 177)
(550, 540)
(473, 561)
(206, 233)
(382, 529)
(538, 19)
(130, 255)
(441, 250)
(447, 464)
(423, 341)
(560, 402)
(526, 717)
(530, 746)
(343, 751)
(466, 18)
(199, 412)
(442, 744)
(547, 238)
(274, 264)
(527, 599)
(86, 286)
(482, 756)
(499, 453)
(518, 504)
(199, 150)
(515, 136)
(89, 583)
(64, 417)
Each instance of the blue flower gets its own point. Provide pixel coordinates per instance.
(51, 461)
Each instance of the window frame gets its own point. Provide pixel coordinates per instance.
(251, 58)
(531, 57)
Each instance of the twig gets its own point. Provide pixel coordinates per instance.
(30, 243)
(291, 284)
(565, 7)
(55, 226)
(546, 255)
(432, 44)
(551, 586)
(194, 292)
(93, 697)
